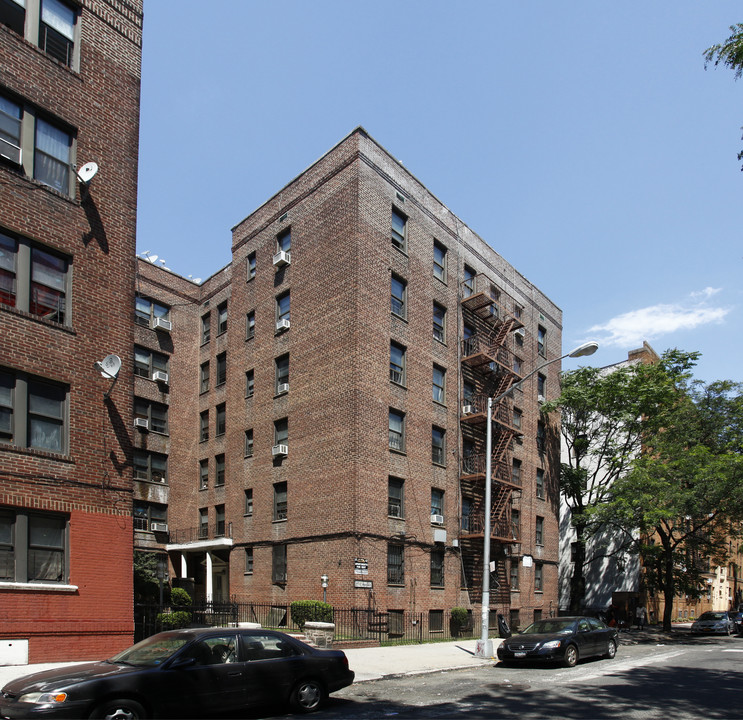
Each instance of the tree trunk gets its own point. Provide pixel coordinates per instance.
(668, 581)
(578, 579)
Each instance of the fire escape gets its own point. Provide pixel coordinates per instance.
(488, 369)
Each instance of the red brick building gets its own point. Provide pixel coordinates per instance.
(69, 95)
(326, 402)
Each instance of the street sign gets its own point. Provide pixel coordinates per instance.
(360, 566)
(363, 584)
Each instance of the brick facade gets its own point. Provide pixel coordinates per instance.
(337, 408)
(65, 449)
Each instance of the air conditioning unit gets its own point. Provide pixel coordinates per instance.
(142, 423)
(520, 331)
(282, 258)
(159, 527)
(282, 388)
(280, 450)
(282, 325)
(467, 409)
(160, 376)
(162, 324)
(437, 519)
(541, 398)
(10, 152)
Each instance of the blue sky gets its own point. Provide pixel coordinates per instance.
(584, 141)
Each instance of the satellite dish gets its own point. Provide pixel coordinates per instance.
(110, 366)
(152, 258)
(87, 172)
(197, 280)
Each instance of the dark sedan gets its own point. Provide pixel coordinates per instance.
(184, 673)
(561, 639)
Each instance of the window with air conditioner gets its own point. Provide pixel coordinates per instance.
(282, 374)
(151, 415)
(150, 313)
(150, 364)
(437, 505)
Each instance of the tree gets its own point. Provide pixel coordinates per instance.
(602, 428)
(730, 54)
(146, 585)
(685, 493)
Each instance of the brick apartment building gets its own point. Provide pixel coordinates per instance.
(320, 407)
(69, 95)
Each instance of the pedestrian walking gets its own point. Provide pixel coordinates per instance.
(640, 616)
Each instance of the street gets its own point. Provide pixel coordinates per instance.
(693, 678)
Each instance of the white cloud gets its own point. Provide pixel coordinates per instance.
(631, 328)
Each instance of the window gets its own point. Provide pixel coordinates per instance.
(542, 341)
(221, 369)
(516, 524)
(249, 383)
(437, 501)
(468, 393)
(222, 318)
(439, 384)
(516, 472)
(33, 547)
(397, 363)
(517, 365)
(439, 261)
(33, 279)
(52, 156)
(541, 437)
(284, 240)
(249, 443)
(468, 284)
(33, 412)
(517, 415)
(147, 362)
(219, 527)
(517, 311)
(281, 432)
(145, 514)
(13, 15)
(146, 310)
(204, 377)
(514, 620)
(283, 305)
(155, 413)
(250, 325)
(397, 430)
(279, 501)
(399, 223)
(514, 576)
(398, 300)
(538, 577)
(249, 501)
(203, 474)
(57, 30)
(539, 531)
(540, 483)
(219, 470)
(152, 467)
(541, 387)
(203, 523)
(204, 425)
(437, 567)
(248, 560)
(206, 325)
(439, 322)
(282, 374)
(221, 420)
(251, 266)
(519, 339)
(395, 494)
(278, 564)
(436, 620)
(395, 564)
(466, 523)
(11, 118)
(438, 446)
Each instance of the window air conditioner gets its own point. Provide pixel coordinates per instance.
(282, 388)
(541, 398)
(142, 423)
(520, 331)
(160, 376)
(282, 258)
(162, 324)
(159, 527)
(467, 409)
(437, 519)
(10, 152)
(280, 450)
(282, 325)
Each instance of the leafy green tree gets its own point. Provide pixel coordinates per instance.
(146, 586)
(729, 54)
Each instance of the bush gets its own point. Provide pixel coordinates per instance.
(172, 620)
(460, 619)
(179, 598)
(303, 611)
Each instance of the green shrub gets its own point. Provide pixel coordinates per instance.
(460, 619)
(176, 619)
(179, 598)
(303, 611)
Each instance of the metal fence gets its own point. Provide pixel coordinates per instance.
(394, 627)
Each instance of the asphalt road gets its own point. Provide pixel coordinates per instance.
(687, 680)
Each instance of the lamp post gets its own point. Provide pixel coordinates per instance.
(324, 582)
(484, 646)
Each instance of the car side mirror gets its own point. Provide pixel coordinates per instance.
(181, 663)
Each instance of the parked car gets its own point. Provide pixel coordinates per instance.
(737, 618)
(560, 639)
(712, 622)
(184, 673)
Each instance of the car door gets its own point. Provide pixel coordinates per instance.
(272, 666)
(585, 638)
(601, 634)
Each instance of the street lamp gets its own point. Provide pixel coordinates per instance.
(484, 646)
(324, 582)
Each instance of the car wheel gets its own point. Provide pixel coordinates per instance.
(611, 650)
(571, 656)
(119, 710)
(307, 696)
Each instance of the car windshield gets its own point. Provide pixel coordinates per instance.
(153, 650)
(712, 616)
(549, 627)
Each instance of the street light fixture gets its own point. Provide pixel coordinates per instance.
(484, 646)
(324, 582)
